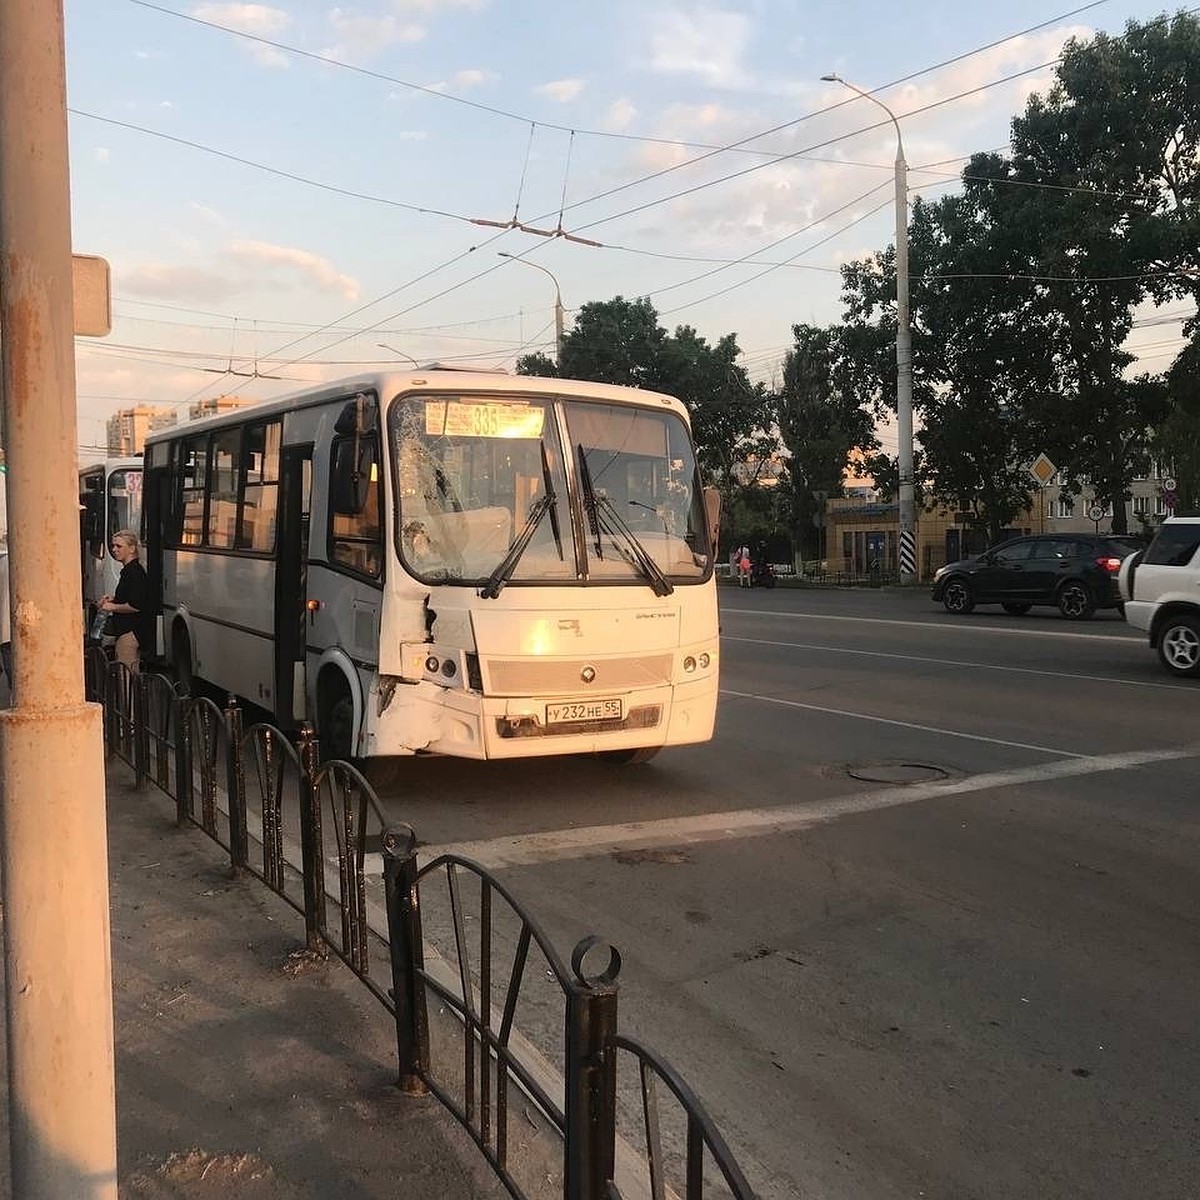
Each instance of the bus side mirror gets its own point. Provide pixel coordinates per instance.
(357, 416)
(352, 475)
(712, 514)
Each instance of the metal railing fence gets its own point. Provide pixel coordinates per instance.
(317, 835)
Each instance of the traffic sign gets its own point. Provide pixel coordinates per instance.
(1169, 484)
(93, 296)
(1095, 512)
(1042, 469)
(1170, 500)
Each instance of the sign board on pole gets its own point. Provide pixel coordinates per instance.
(1169, 484)
(93, 305)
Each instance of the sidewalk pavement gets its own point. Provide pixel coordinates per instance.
(243, 1067)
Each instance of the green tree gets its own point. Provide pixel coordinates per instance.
(1176, 441)
(1121, 130)
(821, 421)
(614, 341)
(537, 363)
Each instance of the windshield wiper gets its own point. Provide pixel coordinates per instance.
(508, 564)
(554, 507)
(604, 517)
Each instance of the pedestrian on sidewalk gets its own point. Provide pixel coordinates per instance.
(132, 618)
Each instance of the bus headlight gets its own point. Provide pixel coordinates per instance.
(689, 664)
(705, 659)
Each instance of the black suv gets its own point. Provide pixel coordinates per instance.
(1076, 572)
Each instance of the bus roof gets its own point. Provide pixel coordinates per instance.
(433, 379)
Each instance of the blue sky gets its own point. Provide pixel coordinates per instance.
(216, 260)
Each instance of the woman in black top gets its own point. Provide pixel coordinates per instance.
(132, 618)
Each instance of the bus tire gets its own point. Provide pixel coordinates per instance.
(181, 660)
(335, 718)
(629, 758)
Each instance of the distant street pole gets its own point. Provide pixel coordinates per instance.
(904, 414)
(558, 304)
(58, 975)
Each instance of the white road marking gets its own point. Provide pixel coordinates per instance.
(953, 662)
(957, 627)
(591, 841)
(842, 712)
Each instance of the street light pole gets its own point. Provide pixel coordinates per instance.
(558, 304)
(904, 413)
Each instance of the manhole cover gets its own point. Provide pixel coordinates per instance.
(897, 773)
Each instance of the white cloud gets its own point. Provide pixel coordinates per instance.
(473, 77)
(317, 269)
(707, 43)
(434, 6)
(179, 283)
(259, 19)
(205, 213)
(562, 90)
(619, 116)
(103, 154)
(269, 57)
(360, 37)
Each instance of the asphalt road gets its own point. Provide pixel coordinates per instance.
(941, 939)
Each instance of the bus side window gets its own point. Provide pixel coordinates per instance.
(193, 483)
(355, 536)
(260, 487)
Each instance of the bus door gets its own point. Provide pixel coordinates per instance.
(291, 583)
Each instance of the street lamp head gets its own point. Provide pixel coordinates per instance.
(831, 78)
(505, 254)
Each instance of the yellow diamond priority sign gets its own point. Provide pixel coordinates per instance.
(1042, 469)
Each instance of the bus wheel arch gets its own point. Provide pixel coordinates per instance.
(336, 717)
(181, 656)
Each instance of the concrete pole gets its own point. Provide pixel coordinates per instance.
(58, 975)
(904, 379)
(904, 412)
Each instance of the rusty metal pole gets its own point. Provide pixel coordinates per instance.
(58, 973)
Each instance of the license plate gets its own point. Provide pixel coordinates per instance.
(585, 710)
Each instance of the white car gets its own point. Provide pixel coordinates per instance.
(1161, 590)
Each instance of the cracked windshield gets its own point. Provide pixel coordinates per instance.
(477, 477)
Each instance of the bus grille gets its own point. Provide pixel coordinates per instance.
(565, 677)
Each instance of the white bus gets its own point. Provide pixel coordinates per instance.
(110, 499)
(461, 563)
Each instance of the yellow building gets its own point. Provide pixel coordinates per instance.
(216, 404)
(127, 429)
(863, 537)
